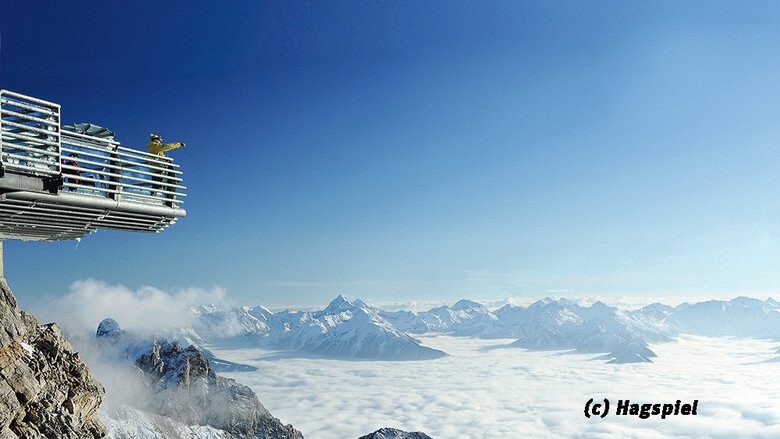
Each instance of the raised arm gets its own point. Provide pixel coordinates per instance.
(170, 146)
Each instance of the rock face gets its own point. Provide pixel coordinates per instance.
(184, 387)
(47, 391)
(393, 433)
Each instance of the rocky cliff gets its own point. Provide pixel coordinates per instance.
(47, 391)
(183, 386)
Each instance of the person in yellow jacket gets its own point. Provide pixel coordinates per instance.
(156, 147)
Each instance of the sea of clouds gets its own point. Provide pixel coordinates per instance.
(483, 390)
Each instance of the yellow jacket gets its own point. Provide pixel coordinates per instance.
(159, 148)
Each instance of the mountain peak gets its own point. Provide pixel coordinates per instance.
(338, 305)
(108, 328)
(465, 304)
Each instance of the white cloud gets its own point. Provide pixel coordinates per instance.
(147, 308)
(479, 392)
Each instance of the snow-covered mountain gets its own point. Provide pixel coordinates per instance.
(353, 329)
(464, 318)
(742, 316)
(237, 322)
(546, 324)
(164, 379)
(345, 329)
(562, 324)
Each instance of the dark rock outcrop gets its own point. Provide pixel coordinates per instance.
(184, 387)
(47, 391)
(630, 353)
(393, 433)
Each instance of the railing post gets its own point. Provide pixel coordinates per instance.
(118, 180)
(1, 129)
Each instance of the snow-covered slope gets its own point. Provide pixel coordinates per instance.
(343, 329)
(129, 422)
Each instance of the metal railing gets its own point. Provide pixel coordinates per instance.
(34, 142)
(30, 134)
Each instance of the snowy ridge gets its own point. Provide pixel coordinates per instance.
(346, 329)
(353, 329)
(561, 324)
(546, 324)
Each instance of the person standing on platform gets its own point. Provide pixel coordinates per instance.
(156, 147)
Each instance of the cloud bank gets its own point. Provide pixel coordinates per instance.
(145, 309)
(485, 391)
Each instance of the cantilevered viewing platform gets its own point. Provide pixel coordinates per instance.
(60, 182)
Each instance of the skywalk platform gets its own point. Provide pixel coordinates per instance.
(61, 182)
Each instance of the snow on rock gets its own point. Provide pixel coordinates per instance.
(128, 422)
(28, 349)
(180, 384)
(393, 433)
(108, 328)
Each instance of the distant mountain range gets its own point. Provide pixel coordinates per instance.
(343, 329)
(562, 324)
(353, 329)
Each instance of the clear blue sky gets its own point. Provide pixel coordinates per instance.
(420, 150)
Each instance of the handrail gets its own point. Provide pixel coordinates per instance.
(28, 107)
(33, 141)
(40, 102)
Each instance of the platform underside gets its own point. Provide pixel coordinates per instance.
(33, 216)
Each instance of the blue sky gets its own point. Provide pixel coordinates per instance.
(423, 150)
